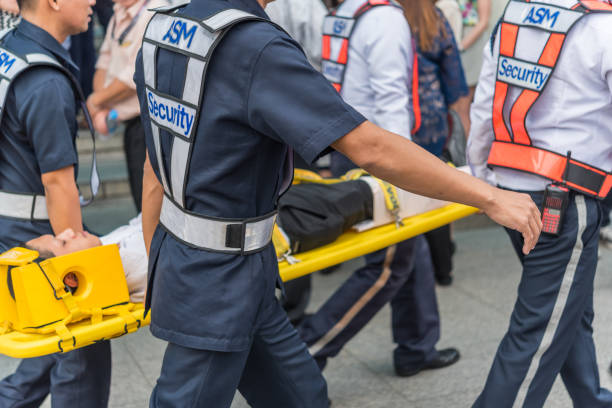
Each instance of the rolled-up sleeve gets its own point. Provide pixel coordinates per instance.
(291, 102)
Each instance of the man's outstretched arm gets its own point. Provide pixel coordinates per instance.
(406, 165)
(152, 195)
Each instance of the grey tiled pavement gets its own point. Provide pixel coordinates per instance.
(475, 312)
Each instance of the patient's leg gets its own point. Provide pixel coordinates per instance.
(353, 305)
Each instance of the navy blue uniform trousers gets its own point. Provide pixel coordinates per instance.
(550, 329)
(276, 371)
(78, 379)
(401, 274)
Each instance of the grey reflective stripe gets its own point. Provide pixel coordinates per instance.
(178, 168)
(40, 208)
(338, 26)
(225, 18)
(180, 34)
(543, 16)
(173, 115)
(4, 87)
(522, 73)
(10, 64)
(193, 81)
(332, 71)
(41, 58)
(179, 117)
(560, 303)
(148, 59)
(20, 206)
(211, 234)
(4, 32)
(160, 162)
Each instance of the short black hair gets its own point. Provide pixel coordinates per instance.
(42, 253)
(25, 4)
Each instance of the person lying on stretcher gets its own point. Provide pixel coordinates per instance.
(310, 215)
(131, 249)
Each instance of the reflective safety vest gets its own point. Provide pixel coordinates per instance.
(197, 40)
(25, 206)
(337, 32)
(512, 147)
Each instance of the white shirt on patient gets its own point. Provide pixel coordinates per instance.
(133, 256)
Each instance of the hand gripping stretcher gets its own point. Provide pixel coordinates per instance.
(39, 316)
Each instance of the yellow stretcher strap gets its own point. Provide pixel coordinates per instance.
(60, 292)
(392, 201)
(67, 340)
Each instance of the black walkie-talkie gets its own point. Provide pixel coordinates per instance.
(556, 197)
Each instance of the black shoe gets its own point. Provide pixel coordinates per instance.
(444, 280)
(610, 368)
(445, 358)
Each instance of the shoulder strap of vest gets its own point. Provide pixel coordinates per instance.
(197, 41)
(13, 65)
(337, 33)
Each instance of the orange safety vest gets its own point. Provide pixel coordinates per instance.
(512, 147)
(340, 29)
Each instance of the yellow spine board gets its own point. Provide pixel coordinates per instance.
(352, 244)
(42, 300)
(349, 245)
(8, 311)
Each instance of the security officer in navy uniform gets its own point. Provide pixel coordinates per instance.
(223, 94)
(38, 192)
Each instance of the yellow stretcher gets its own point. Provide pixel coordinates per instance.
(83, 318)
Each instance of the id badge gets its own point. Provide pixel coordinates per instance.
(555, 202)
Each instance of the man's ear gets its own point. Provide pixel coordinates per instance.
(54, 4)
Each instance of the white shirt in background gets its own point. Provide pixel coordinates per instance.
(378, 77)
(303, 20)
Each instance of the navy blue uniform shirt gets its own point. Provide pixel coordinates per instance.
(261, 94)
(38, 128)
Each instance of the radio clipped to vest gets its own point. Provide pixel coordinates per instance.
(513, 147)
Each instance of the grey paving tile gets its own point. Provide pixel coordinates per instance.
(148, 353)
(128, 386)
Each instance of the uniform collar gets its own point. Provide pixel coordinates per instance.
(121, 12)
(252, 6)
(44, 39)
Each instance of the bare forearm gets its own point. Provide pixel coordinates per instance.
(108, 96)
(473, 36)
(484, 14)
(412, 168)
(462, 107)
(98, 80)
(62, 198)
(406, 165)
(152, 195)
